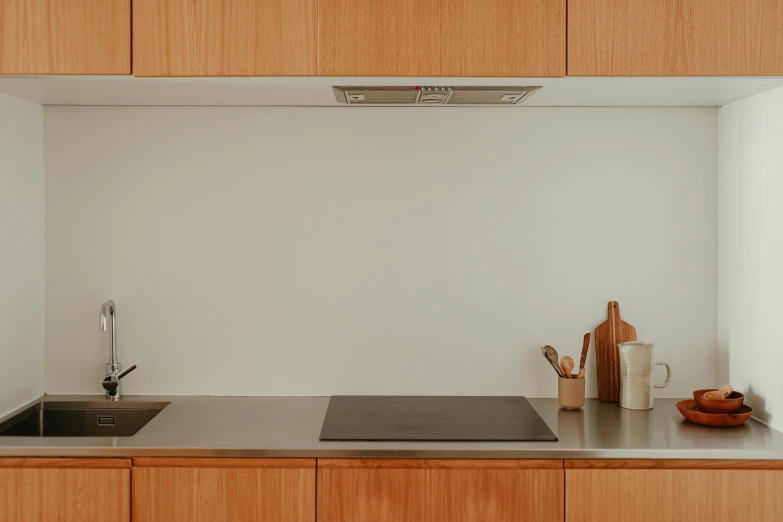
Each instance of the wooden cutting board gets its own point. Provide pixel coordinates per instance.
(607, 357)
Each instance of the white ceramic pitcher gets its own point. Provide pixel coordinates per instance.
(636, 375)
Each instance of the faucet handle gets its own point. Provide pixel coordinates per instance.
(126, 371)
(110, 384)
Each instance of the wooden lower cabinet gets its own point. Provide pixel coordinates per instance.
(64, 490)
(388, 490)
(223, 489)
(651, 494)
(413, 490)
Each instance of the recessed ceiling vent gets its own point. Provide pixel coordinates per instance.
(432, 95)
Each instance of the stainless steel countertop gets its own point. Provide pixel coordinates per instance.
(193, 426)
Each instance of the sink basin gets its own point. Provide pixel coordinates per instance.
(81, 419)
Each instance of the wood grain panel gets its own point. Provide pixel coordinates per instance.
(439, 464)
(64, 495)
(672, 464)
(225, 37)
(440, 495)
(167, 462)
(675, 37)
(608, 335)
(65, 37)
(442, 38)
(673, 495)
(223, 494)
(61, 462)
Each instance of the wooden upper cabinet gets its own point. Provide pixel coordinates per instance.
(64, 490)
(223, 489)
(378, 490)
(675, 37)
(65, 36)
(225, 37)
(442, 37)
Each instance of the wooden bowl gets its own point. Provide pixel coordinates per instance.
(691, 412)
(730, 404)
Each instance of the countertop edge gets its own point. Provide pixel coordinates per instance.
(398, 454)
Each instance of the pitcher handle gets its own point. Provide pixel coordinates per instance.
(668, 375)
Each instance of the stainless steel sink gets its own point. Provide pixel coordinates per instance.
(81, 419)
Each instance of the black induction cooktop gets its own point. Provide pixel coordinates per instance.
(417, 418)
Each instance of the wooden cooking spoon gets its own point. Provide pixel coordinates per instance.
(567, 364)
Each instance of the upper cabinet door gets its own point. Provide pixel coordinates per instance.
(675, 37)
(442, 37)
(65, 36)
(225, 37)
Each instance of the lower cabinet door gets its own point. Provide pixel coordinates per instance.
(465, 490)
(223, 489)
(674, 495)
(64, 490)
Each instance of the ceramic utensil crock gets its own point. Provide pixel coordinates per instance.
(571, 392)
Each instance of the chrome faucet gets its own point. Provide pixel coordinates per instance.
(111, 383)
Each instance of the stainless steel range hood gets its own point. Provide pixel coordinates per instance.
(432, 95)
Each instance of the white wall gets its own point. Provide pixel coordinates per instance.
(21, 252)
(280, 251)
(751, 250)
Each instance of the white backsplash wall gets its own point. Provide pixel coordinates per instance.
(751, 249)
(316, 251)
(21, 252)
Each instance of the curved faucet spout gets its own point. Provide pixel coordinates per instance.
(107, 308)
(109, 311)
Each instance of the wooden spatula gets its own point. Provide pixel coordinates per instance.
(583, 357)
(607, 357)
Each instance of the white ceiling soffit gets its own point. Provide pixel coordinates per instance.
(317, 91)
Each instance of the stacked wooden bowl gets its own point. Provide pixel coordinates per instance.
(727, 410)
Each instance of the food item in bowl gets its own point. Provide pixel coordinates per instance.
(719, 394)
(731, 404)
